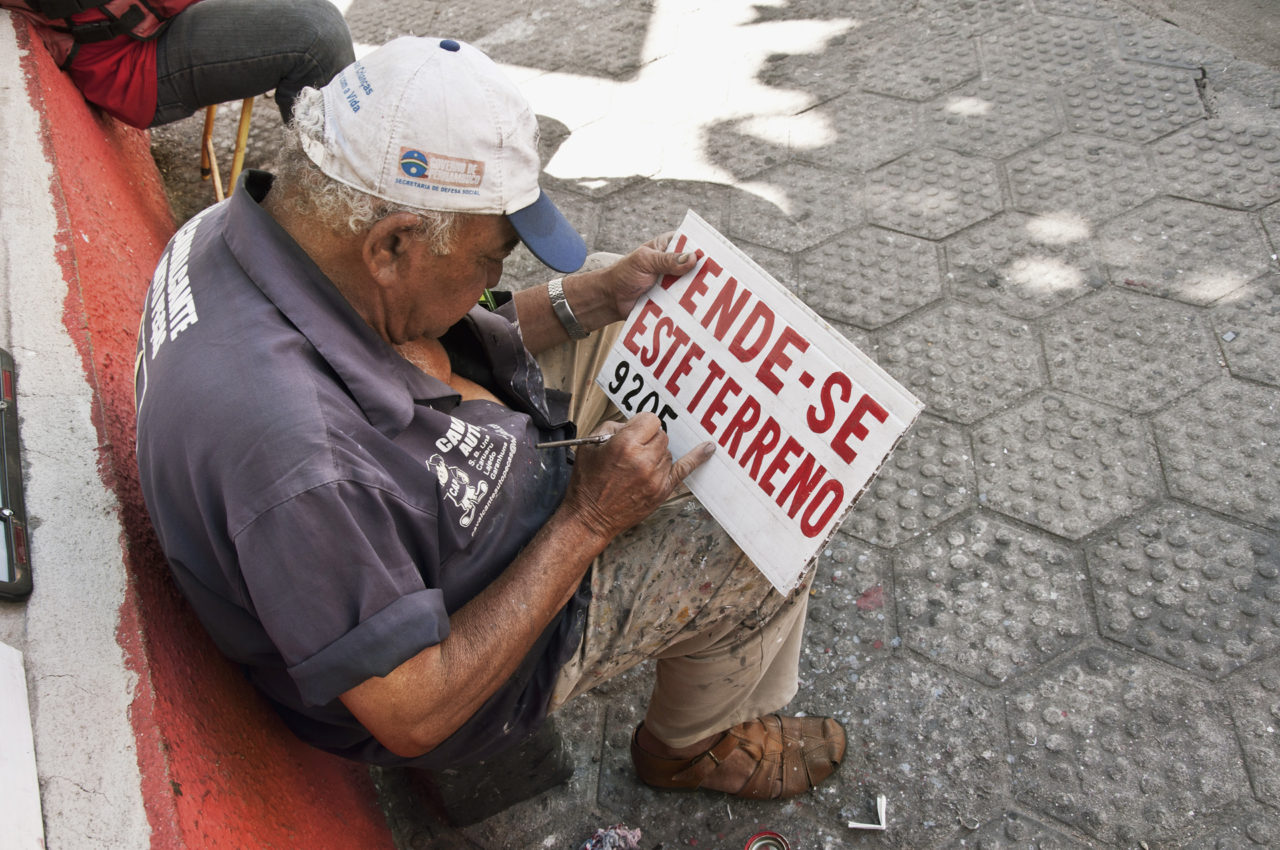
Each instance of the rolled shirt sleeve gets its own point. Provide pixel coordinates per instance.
(335, 588)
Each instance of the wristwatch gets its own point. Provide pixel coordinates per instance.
(560, 305)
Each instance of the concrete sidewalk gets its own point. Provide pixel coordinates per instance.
(1054, 621)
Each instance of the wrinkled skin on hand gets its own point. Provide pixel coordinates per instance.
(617, 484)
(634, 274)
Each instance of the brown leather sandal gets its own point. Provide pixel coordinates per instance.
(792, 755)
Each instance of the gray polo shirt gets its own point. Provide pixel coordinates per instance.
(323, 504)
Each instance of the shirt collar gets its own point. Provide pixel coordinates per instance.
(383, 383)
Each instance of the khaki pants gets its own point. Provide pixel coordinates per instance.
(675, 588)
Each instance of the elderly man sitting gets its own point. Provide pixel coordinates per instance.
(337, 448)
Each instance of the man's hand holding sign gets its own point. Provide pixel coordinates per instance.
(803, 420)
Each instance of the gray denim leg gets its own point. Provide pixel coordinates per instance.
(223, 50)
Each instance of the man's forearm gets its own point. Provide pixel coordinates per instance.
(591, 303)
(427, 698)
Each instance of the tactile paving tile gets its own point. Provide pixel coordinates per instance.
(1075, 8)
(993, 118)
(1085, 175)
(869, 130)
(927, 479)
(1016, 831)
(961, 361)
(932, 742)
(1219, 450)
(1248, 328)
(731, 146)
(1243, 827)
(1190, 589)
(916, 67)
(1104, 743)
(821, 75)
(974, 16)
(1130, 350)
(378, 21)
(1232, 165)
(933, 192)
(1023, 265)
(1064, 464)
(870, 276)
(1046, 51)
(848, 625)
(794, 206)
(1183, 250)
(807, 10)
(1162, 43)
(779, 264)
(1255, 700)
(594, 37)
(639, 213)
(1133, 103)
(987, 599)
(1271, 221)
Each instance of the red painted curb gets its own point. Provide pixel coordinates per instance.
(219, 769)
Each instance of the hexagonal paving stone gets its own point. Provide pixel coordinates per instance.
(1130, 350)
(1255, 699)
(794, 206)
(1122, 750)
(1188, 588)
(1023, 265)
(379, 21)
(821, 75)
(1090, 177)
(931, 742)
(1248, 327)
(1046, 51)
(913, 66)
(870, 276)
(595, 37)
(933, 192)
(1271, 224)
(963, 362)
(993, 118)
(985, 598)
(1064, 464)
(733, 146)
(1163, 43)
(1075, 9)
(868, 129)
(1219, 450)
(638, 213)
(1016, 831)
(928, 478)
(974, 16)
(1232, 165)
(1183, 250)
(848, 625)
(1133, 103)
(1244, 826)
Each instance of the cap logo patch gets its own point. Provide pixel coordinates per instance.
(439, 173)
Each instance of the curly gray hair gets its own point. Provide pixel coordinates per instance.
(311, 192)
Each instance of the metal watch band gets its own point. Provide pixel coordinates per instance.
(560, 304)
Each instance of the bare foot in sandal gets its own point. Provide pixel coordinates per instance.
(771, 757)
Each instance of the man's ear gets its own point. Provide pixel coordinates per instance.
(385, 245)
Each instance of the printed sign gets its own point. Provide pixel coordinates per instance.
(802, 419)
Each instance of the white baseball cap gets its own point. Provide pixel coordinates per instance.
(434, 124)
